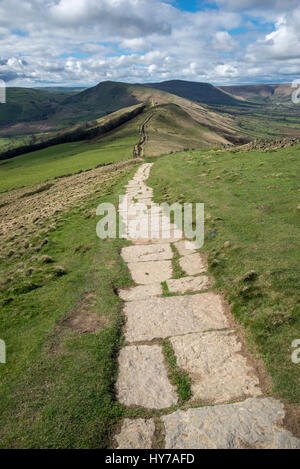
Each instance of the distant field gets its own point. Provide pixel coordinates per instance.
(58, 160)
(264, 121)
(251, 200)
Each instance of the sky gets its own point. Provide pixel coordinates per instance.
(83, 42)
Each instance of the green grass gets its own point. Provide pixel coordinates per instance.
(252, 200)
(4, 141)
(57, 388)
(177, 270)
(36, 167)
(178, 377)
(26, 104)
(265, 120)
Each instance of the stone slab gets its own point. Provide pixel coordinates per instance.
(136, 434)
(150, 252)
(141, 292)
(218, 370)
(165, 317)
(188, 284)
(192, 264)
(150, 272)
(143, 379)
(160, 240)
(144, 200)
(254, 423)
(185, 247)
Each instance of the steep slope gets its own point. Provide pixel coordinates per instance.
(108, 97)
(261, 93)
(169, 128)
(26, 104)
(196, 91)
(215, 121)
(98, 101)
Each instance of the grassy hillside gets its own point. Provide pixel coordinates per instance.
(26, 104)
(97, 101)
(40, 111)
(58, 160)
(52, 110)
(172, 129)
(60, 316)
(250, 205)
(196, 91)
(262, 93)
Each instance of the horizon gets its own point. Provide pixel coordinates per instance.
(79, 43)
(81, 87)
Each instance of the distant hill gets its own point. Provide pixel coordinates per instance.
(171, 128)
(228, 114)
(47, 110)
(98, 101)
(27, 104)
(195, 91)
(261, 93)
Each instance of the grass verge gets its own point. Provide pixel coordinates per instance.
(252, 234)
(57, 388)
(68, 158)
(177, 376)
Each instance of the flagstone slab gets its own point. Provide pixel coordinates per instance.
(254, 423)
(145, 234)
(171, 316)
(136, 434)
(166, 232)
(150, 252)
(144, 193)
(150, 272)
(143, 379)
(218, 370)
(188, 284)
(185, 247)
(152, 240)
(141, 292)
(144, 200)
(192, 264)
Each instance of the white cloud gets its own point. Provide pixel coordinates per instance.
(87, 41)
(281, 44)
(224, 42)
(226, 70)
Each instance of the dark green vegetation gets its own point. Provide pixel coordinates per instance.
(60, 313)
(88, 131)
(209, 115)
(26, 104)
(100, 100)
(195, 91)
(60, 318)
(251, 201)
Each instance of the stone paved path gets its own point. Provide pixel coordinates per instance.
(195, 323)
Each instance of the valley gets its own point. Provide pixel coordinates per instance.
(63, 316)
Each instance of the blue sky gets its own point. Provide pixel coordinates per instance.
(83, 42)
